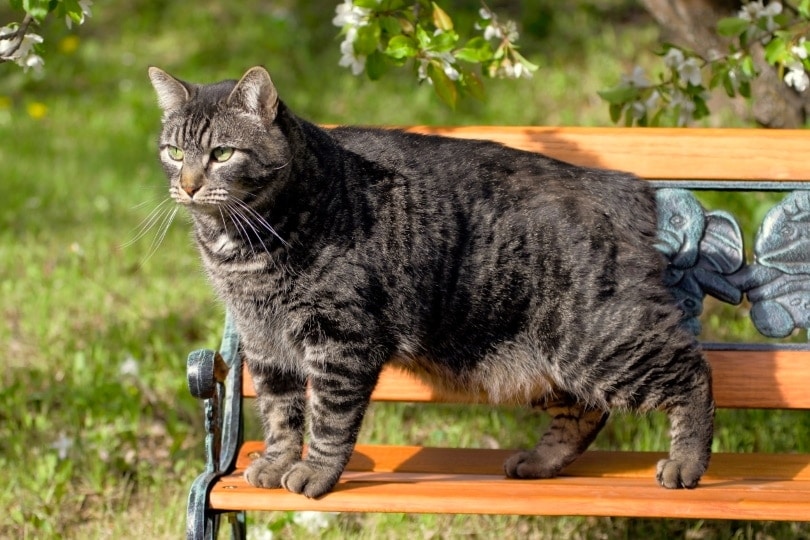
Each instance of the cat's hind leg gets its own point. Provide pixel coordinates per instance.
(573, 427)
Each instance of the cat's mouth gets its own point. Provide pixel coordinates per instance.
(201, 199)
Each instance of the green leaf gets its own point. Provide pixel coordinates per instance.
(522, 59)
(615, 112)
(655, 121)
(701, 108)
(776, 51)
(747, 66)
(728, 85)
(628, 118)
(732, 26)
(444, 86)
(441, 19)
(422, 37)
(393, 5)
(70, 8)
(474, 56)
(619, 95)
(475, 51)
(38, 9)
(745, 89)
(368, 38)
(444, 42)
(473, 84)
(377, 65)
(368, 4)
(401, 47)
(804, 8)
(390, 25)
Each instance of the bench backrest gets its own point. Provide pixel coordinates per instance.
(771, 375)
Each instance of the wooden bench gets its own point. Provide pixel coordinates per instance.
(773, 375)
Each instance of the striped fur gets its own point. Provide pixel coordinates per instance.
(486, 270)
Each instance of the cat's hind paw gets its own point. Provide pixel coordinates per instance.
(673, 474)
(309, 480)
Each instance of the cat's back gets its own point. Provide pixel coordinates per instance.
(508, 180)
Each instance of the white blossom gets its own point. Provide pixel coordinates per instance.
(637, 79)
(689, 70)
(347, 14)
(640, 108)
(674, 58)
(685, 105)
(797, 77)
(314, 522)
(451, 72)
(129, 367)
(254, 533)
(492, 32)
(447, 61)
(349, 58)
(24, 54)
(800, 50)
(422, 70)
(62, 445)
(495, 30)
(510, 27)
(755, 11)
(350, 18)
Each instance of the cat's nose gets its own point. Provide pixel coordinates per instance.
(191, 180)
(191, 189)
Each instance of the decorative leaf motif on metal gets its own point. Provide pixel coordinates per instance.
(778, 282)
(706, 255)
(704, 249)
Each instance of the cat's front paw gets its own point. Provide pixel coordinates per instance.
(266, 472)
(530, 464)
(675, 474)
(310, 480)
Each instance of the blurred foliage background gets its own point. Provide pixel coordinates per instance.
(99, 437)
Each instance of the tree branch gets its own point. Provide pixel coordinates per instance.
(18, 34)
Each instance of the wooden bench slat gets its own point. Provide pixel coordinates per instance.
(659, 153)
(431, 480)
(593, 463)
(742, 379)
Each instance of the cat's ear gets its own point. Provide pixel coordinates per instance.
(256, 94)
(171, 93)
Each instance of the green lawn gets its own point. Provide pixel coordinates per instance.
(99, 437)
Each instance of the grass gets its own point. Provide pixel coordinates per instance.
(99, 437)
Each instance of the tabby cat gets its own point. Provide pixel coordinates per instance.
(483, 269)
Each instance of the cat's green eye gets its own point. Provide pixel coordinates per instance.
(222, 153)
(175, 153)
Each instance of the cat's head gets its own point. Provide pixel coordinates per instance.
(220, 144)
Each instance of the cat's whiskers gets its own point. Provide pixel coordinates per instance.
(163, 228)
(155, 216)
(247, 221)
(253, 215)
(240, 230)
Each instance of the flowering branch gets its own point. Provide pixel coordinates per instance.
(19, 45)
(16, 38)
(680, 95)
(382, 34)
